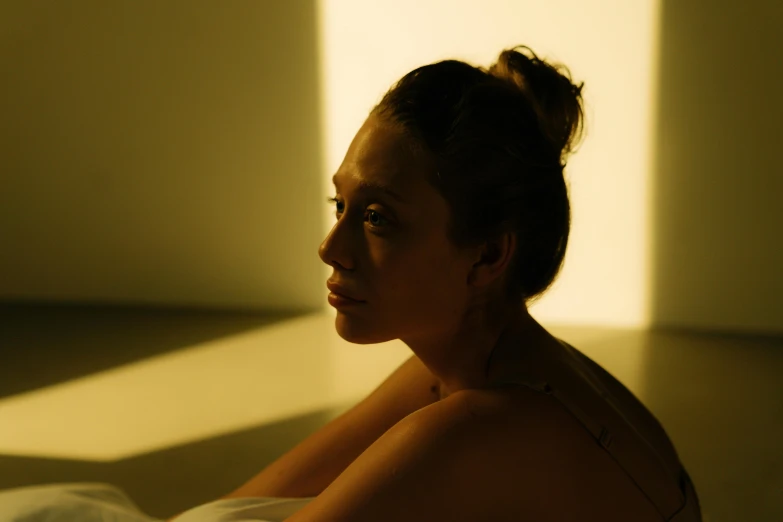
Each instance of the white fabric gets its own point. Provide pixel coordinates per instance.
(83, 502)
(266, 509)
(94, 502)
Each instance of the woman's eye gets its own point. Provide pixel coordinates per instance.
(335, 202)
(383, 219)
(376, 219)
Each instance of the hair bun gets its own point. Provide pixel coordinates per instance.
(556, 101)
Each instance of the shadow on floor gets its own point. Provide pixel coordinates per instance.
(43, 345)
(189, 475)
(719, 397)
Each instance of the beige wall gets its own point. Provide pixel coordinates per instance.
(170, 152)
(718, 181)
(161, 152)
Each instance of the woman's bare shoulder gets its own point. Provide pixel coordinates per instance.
(455, 459)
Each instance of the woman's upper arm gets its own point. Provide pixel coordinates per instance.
(307, 469)
(420, 470)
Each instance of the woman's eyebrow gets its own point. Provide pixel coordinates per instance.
(370, 186)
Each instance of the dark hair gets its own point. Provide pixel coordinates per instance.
(498, 140)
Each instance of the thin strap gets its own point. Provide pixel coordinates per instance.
(541, 386)
(643, 477)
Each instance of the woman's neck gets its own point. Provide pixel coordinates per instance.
(471, 358)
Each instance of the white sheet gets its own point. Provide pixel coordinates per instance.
(83, 502)
(96, 502)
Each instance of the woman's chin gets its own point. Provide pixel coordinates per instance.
(357, 330)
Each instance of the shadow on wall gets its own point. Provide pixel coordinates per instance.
(164, 153)
(717, 248)
(717, 181)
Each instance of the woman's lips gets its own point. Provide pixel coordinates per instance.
(342, 291)
(340, 301)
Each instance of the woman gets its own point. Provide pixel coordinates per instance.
(452, 217)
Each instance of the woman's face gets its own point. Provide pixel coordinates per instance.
(392, 253)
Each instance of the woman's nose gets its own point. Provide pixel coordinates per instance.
(330, 251)
(323, 251)
(327, 251)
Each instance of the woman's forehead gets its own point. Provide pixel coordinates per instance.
(379, 155)
(378, 184)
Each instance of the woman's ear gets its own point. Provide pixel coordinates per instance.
(493, 259)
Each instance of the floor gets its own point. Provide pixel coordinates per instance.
(179, 407)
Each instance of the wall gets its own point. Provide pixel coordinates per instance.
(161, 152)
(171, 153)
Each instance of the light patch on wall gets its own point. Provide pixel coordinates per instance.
(611, 45)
